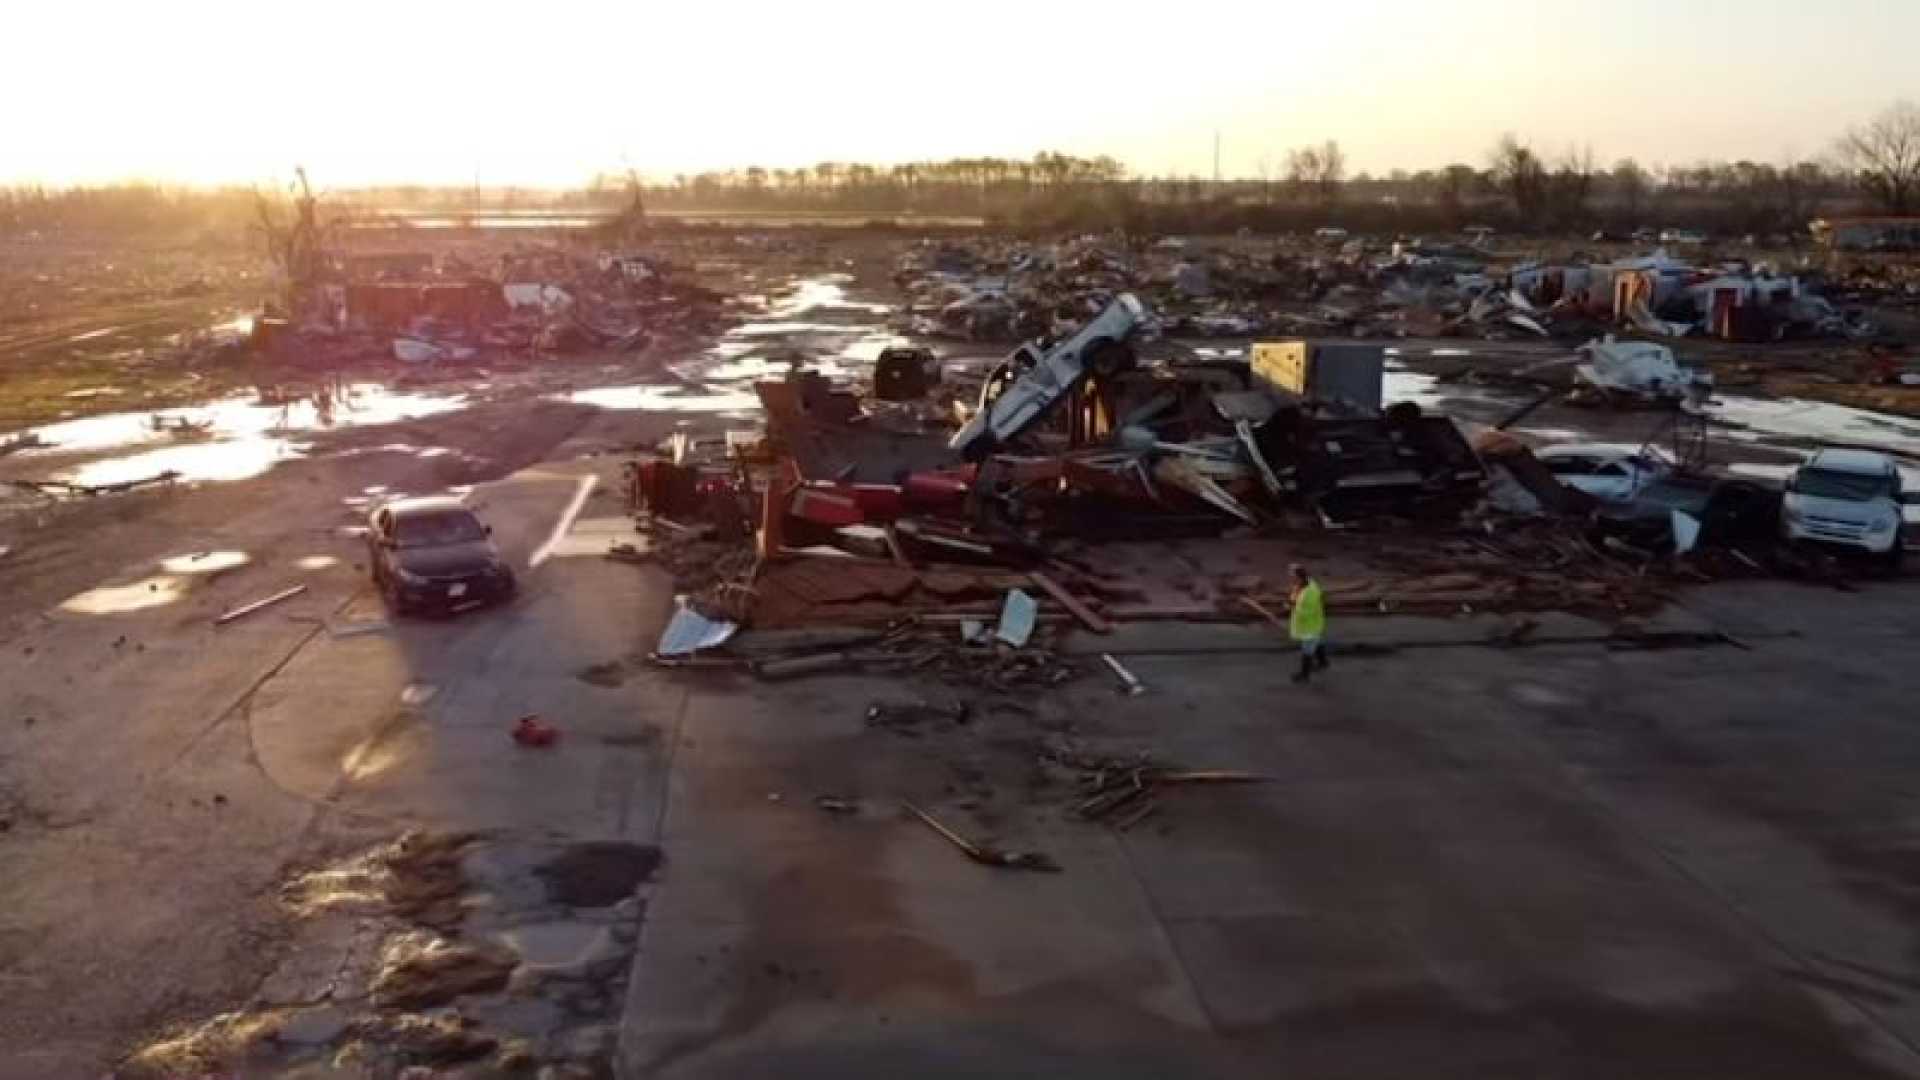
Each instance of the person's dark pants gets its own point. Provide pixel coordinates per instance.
(1313, 657)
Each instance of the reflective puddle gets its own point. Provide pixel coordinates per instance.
(230, 439)
(814, 324)
(665, 399)
(205, 562)
(1793, 418)
(157, 591)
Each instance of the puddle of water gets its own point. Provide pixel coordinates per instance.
(1818, 420)
(749, 368)
(152, 592)
(241, 437)
(205, 562)
(92, 334)
(234, 459)
(93, 392)
(316, 562)
(358, 405)
(664, 399)
(240, 324)
(783, 329)
(826, 291)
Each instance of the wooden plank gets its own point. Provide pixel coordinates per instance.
(1088, 617)
(1266, 614)
(249, 609)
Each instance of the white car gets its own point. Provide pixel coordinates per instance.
(1606, 472)
(1851, 498)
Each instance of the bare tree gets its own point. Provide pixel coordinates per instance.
(1518, 174)
(1317, 171)
(1884, 155)
(296, 246)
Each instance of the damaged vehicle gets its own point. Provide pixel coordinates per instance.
(1606, 472)
(434, 554)
(1846, 498)
(1040, 373)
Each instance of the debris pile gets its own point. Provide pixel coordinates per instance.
(973, 546)
(420, 310)
(1004, 290)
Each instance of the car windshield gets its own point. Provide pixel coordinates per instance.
(1853, 487)
(436, 529)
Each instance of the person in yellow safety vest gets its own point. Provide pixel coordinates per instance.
(1308, 623)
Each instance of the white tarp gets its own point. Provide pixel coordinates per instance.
(1637, 367)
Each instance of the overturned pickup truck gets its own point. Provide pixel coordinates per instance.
(1038, 375)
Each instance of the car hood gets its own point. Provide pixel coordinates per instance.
(447, 560)
(1864, 511)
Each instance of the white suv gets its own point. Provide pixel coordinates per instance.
(1847, 497)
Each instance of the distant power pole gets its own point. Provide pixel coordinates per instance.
(1216, 155)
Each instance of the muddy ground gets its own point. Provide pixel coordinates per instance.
(1483, 859)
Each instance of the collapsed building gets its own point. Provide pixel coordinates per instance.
(420, 309)
(1052, 469)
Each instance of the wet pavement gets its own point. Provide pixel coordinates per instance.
(229, 439)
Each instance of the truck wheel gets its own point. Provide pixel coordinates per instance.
(1108, 358)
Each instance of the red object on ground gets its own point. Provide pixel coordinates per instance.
(939, 488)
(826, 506)
(530, 730)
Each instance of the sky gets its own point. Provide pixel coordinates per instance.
(547, 94)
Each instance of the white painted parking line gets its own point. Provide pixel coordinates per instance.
(561, 527)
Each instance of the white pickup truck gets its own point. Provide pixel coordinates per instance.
(1037, 375)
(1850, 498)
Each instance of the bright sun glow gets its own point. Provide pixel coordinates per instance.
(548, 95)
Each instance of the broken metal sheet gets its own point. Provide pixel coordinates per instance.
(1254, 406)
(1267, 478)
(1182, 473)
(1686, 531)
(689, 631)
(1526, 322)
(1017, 618)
